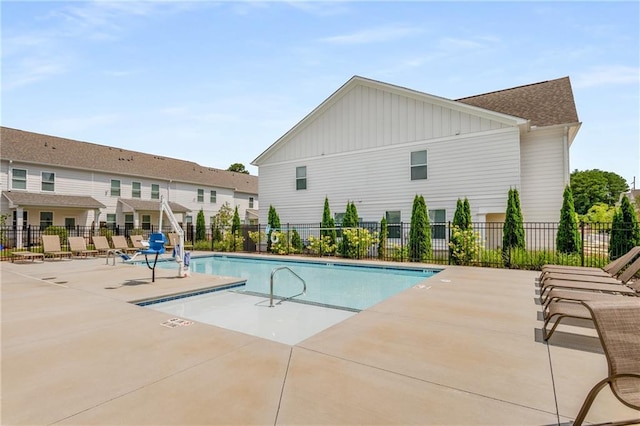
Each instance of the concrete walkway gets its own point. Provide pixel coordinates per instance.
(461, 348)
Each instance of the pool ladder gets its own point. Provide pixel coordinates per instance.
(280, 268)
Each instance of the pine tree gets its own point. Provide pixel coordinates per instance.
(382, 241)
(235, 224)
(625, 232)
(350, 220)
(513, 229)
(467, 213)
(420, 232)
(458, 219)
(461, 222)
(201, 227)
(568, 237)
(328, 223)
(274, 224)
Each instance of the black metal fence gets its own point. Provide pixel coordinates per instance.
(481, 246)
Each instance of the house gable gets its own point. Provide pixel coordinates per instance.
(367, 114)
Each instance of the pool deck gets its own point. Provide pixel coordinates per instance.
(461, 348)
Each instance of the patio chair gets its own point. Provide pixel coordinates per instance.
(120, 243)
(174, 240)
(101, 244)
(617, 325)
(51, 247)
(78, 247)
(618, 286)
(612, 269)
(138, 242)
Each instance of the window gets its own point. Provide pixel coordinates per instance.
(393, 224)
(128, 221)
(437, 218)
(155, 191)
(48, 181)
(25, 218)
(418, 165)
(69, 222)
(212, 197)
(111, 220)
(115, 188)
(338, 217)
(250, 202)
(201, 195)
(188, 219)
(46, 219)
(135, 190)
(18, 179)
(146, 221)
(301, 178)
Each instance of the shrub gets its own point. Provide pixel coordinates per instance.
(357, 241)
(513, 229)
(321, 246)
(229, 242)
(296, 242)
(382, 240)
(60, 231)
(273, 220)
(464, 245)
(257, 237)
(202, 245)
(399, 253)
(625, 232)
(568, 237)
(420, 249)
(328, 224)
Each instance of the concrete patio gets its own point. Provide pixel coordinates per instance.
(461, 348)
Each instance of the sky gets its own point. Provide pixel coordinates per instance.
(218, 82)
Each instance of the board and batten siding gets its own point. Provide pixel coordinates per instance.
(368, 117)
(544, 174)
(481, 166)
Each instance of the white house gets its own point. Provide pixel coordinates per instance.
(47, 180)
(379, 145)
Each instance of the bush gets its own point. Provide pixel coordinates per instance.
(420, 249)
(229, 243)
(257, 237)
(399, 253)
(60, 231)
(357, 242)
(321, 246)
(464, 246)
(202, 245)
(568, 237)
(382, 240)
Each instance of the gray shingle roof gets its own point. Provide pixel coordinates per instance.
(20, 145)
(150, 205)
(546, 103)
(50, 200)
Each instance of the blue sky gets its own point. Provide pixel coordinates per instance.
(218, 82)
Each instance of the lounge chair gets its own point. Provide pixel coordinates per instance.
(78, 247)
(24, 255)
(617, 326)
(611, 270)
(120, 243)
(174, 240)
(52, 248)
(101, 244)
(618, 286)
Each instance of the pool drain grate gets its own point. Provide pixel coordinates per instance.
(176, 322)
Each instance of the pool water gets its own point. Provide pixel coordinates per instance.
(339, 285)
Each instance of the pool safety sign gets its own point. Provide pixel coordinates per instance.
(176, 322)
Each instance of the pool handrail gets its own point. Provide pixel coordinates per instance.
(279, 268)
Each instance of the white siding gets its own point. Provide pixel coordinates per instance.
(367, 117)
(544, 174)
(481, 167)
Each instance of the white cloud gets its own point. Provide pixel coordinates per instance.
(373, 35)
(607, 75)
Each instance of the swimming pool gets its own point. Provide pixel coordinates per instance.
(332, 284)
(335, 292)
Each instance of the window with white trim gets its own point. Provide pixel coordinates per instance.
(393, 223)
(111, 220)
(419, 165)
(128, 221)
(213, 195)
(46, 219)
(201, 195)
(18, 179)
(115, 188)
(48, 181)
(155, 191)
(301, 178)
(136, 191)
(437, 218)
(146, 222)
(250, 202)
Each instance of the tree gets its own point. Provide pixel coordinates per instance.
(420, 231)
(221, 221)
(461, 234)
(201, 227)
(600, 213)
(568, 236)
(513, 228)
(235, 224)
(462, 215)
(350, 220)
(274, 224)
(596, 186)
(382, 239)
(625, 232)
(328, 224)
(238, 168)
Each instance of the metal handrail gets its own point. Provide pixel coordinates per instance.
(279, 268)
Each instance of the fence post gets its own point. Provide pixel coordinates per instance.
(582, 245)
(449, 251)
(401, 242)
(28, 237)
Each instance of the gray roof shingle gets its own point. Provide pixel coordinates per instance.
(20, 145)
(51, 200)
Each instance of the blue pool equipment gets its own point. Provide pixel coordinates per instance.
(157, 241)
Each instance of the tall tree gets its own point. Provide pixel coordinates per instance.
(462, 215)
(201, 227)
(625, 232)
(274, 224)
(238, 168)
(568, 236)
(382, 239)
(235, 224)
(328, 224)
(350, 220)
(513, 228)
(596, 186)
(420, 232)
